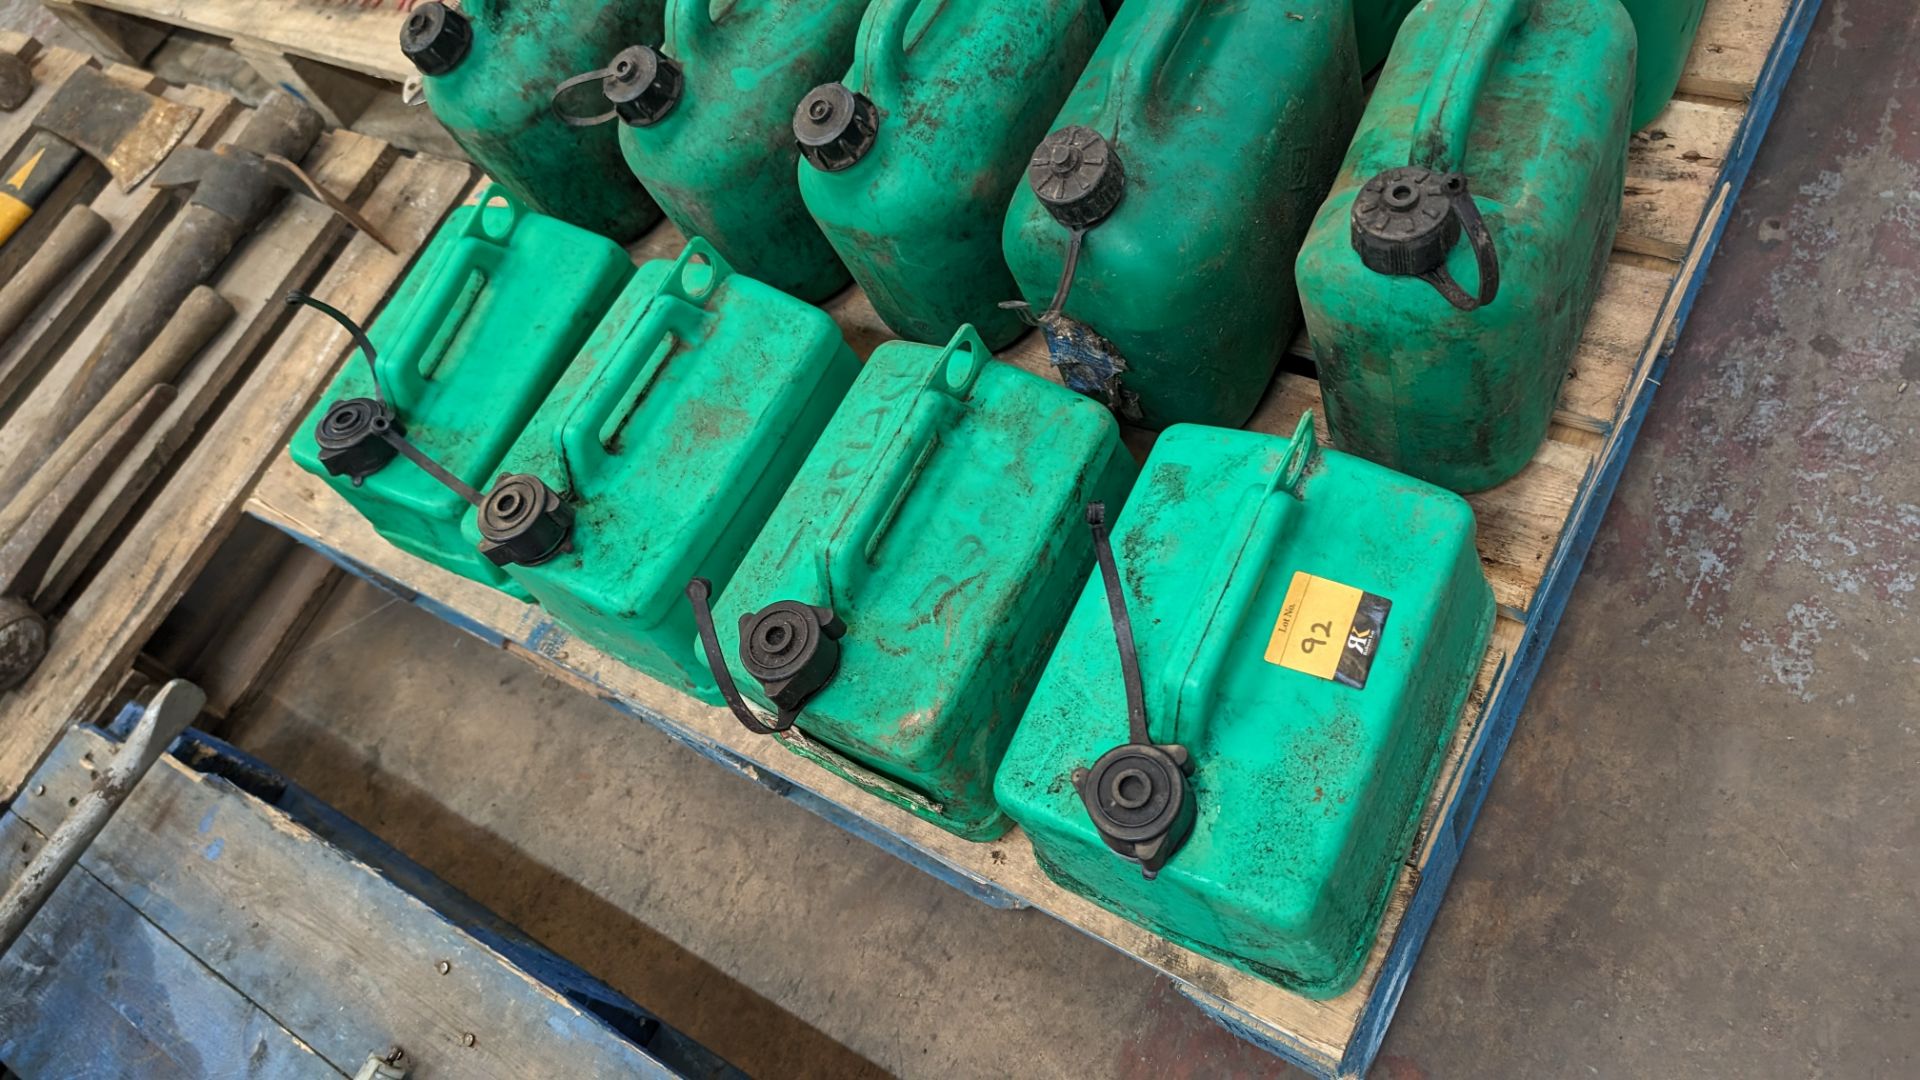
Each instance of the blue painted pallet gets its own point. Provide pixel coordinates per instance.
(158, 947)
(1339, 1038)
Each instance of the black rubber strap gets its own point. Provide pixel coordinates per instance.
(431, 467)
(699, 592)
(1075, 240)
(1474, 228)
(1122, 626)
(571, 119)
(392, 436)
(296, 298)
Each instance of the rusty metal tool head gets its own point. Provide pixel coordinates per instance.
(128, 131)
(243, 179)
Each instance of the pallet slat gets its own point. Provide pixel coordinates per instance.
(307, 932)
(160, 1005)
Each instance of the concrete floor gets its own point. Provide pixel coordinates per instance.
(1702, 857)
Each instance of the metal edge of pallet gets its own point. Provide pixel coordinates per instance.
(1454, 822)
(1457, 820)
(624, 1018)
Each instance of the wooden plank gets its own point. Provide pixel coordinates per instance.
(94, 643)
(358, 37)
(323, 942)
(283, 253)
(94, 989)
(1618, 336)
(133, 217)
(338, 95)
(1671, 169)
(1731, 50)
(112, 35)
(242, 660)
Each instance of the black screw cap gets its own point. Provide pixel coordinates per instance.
(793, 649)
(352, 438)
(1140, 801)
(643, 85)
(835, 126)
(523, 522)
(1403, 221)
(436, 38)
(1078, 177)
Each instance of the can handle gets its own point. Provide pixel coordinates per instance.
(866, 514)
(688, 21)
(1141, 68)
(450, 295)
(1444, 122)
(636, 366)
(883, 41)
(1207, 642)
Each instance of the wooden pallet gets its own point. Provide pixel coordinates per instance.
(255, 930)
(179, 492)
(1685, 172)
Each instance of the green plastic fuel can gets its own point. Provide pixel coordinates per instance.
(478, 332)
(706, 123)
(1307, 627)
(1450, 274)
(1155, 238)
(660, 453)
(488, 67)
(898, 606)
(910, 161)
(1666, 29)
(1375, 22)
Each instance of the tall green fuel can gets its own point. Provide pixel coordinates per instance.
(660, 454)
(488, 68)
(1450, 274)
(910, 161)
(897, 608)
(1155, 237)
(1666, 29)
(479, 331)
(706, 123)
(1375, 22)
(1307, 627)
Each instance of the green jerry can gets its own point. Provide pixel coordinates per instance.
(706, 123)
(659, 454)
(910, 162)
(479, 331)
(1238, 729)
(488, 67)
(1666, 29)
(1157, 231)
(1375, 22)
(896, 610)
(1449, 276)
